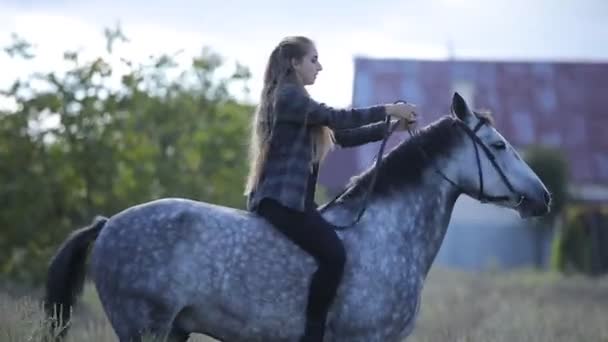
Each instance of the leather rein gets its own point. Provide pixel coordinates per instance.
(472, 133)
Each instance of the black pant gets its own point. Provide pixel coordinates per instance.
(311, 232)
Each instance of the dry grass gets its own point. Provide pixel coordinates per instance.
(22, 320)
(462, 307)
(519, 306)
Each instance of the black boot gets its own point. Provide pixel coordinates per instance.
(315, 329)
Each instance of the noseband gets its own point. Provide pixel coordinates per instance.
(472, 133)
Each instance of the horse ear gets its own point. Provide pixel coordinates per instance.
(460, 107)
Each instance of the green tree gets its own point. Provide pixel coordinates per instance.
(580, 246)
(76, 145)
(552, 168)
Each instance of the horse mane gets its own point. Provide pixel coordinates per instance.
(485, 116)
(405, 163)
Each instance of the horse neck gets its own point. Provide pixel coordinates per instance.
(421, 213)
(410, 199)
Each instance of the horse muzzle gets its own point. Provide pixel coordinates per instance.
(535, 205)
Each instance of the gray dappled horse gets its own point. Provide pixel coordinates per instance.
(174, 266)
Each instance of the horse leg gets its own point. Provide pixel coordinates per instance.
(141, 318)
(173, 336)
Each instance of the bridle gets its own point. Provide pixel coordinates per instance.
(472, 133)
(481, 196)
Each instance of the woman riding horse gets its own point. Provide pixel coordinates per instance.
(291, 133)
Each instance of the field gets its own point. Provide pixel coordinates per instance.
(457, 306)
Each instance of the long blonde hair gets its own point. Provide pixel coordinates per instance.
(279, 71)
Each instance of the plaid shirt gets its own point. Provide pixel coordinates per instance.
(285, 175)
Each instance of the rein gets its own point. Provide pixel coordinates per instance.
(388, 130)
(481, 196)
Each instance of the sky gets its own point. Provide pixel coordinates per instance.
(247, 31)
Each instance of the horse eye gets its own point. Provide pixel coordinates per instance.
(499, 145)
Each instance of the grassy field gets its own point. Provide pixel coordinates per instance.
(517, 306)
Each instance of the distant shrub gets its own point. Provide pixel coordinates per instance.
(582, 245)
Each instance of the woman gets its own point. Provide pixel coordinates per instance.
(291, 134)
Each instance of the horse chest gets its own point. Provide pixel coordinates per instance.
(386, 317)
(381, 300)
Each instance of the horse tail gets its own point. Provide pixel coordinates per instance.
(66, 274)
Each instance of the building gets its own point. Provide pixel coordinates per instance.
(558, 104)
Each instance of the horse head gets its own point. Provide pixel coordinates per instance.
(491, 169)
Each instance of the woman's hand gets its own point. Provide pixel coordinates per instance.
(404, 125)
(404, 111)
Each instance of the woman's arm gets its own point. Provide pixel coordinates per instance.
(293, 105)
(362, 135)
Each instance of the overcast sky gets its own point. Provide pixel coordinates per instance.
(246, 31)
